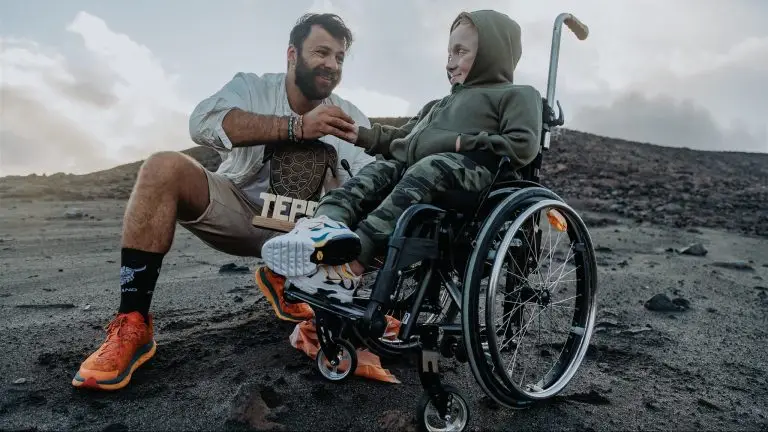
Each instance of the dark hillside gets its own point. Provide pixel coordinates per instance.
(671, 186)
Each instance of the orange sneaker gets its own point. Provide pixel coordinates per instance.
(271, 285)
(130, 343)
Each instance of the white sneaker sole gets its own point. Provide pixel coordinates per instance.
(297, 255)
(289, 256)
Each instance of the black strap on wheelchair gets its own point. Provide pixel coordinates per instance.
(502, 170)
(409, 251)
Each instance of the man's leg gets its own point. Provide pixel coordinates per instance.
(325, 238)
(168, 184)
(226, 225)
(170, 187)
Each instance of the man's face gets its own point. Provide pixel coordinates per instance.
(462, 49)
(318, 65)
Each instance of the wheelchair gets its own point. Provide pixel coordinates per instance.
(467, 277)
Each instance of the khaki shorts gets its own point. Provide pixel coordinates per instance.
(225, 225)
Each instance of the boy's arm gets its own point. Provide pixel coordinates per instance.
(520, 125)
(378, 137)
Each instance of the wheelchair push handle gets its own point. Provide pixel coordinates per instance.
(577, 27)
(581, 31)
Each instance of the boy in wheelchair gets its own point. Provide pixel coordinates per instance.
(454, 143)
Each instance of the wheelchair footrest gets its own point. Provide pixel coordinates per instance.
(349, 311)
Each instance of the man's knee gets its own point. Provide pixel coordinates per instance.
(167, 167)
(174, 174)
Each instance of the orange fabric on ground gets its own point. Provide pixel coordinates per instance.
(304, 338)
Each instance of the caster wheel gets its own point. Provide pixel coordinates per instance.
(341, 366)
(457, 418)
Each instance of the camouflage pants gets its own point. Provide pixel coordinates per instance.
(372, 201)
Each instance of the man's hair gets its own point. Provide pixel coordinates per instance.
(332, 23)
(463, 18)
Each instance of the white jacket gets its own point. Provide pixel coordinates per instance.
(264, 95)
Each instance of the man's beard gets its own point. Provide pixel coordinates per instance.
(306, 80)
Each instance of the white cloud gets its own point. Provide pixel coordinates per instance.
(111, 102)
(708, 99)
(674, 73)
(350, 11)
(669, 122)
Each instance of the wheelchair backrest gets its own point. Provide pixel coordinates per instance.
(531, 171)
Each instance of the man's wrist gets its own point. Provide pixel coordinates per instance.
(300, 128)
(281, 125)
(295, 128)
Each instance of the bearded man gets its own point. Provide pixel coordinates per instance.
(250, 119)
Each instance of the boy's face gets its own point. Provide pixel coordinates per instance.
(462, 48)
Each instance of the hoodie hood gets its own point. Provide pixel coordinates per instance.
(498, 48)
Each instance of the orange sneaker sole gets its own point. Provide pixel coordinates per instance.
(92, 384)
(271, 297)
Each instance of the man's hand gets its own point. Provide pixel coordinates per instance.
(328, 120)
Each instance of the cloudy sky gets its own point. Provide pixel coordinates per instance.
(87, 84)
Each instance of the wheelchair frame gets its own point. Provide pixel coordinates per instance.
(341, 328)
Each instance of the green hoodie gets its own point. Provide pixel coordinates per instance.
(489, 112)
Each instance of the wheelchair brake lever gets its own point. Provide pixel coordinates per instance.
(374, 323)
(549, 119)
(560, 120)
(504, 162)
(345, 165)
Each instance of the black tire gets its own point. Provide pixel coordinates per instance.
(575, 348)
(459, 407)
(480, 363)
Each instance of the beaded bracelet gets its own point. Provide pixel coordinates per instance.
(301, 127)
(291, 121)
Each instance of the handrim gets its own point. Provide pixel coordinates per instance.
(582, 321)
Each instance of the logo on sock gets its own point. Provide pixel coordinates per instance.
(127, 274)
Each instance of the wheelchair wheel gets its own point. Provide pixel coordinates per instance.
(457, 417)
(532, 287)
(341, 366)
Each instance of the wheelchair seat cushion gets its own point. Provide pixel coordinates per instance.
(459, 200)
(465, 201)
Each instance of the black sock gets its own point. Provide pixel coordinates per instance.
(138, 274)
